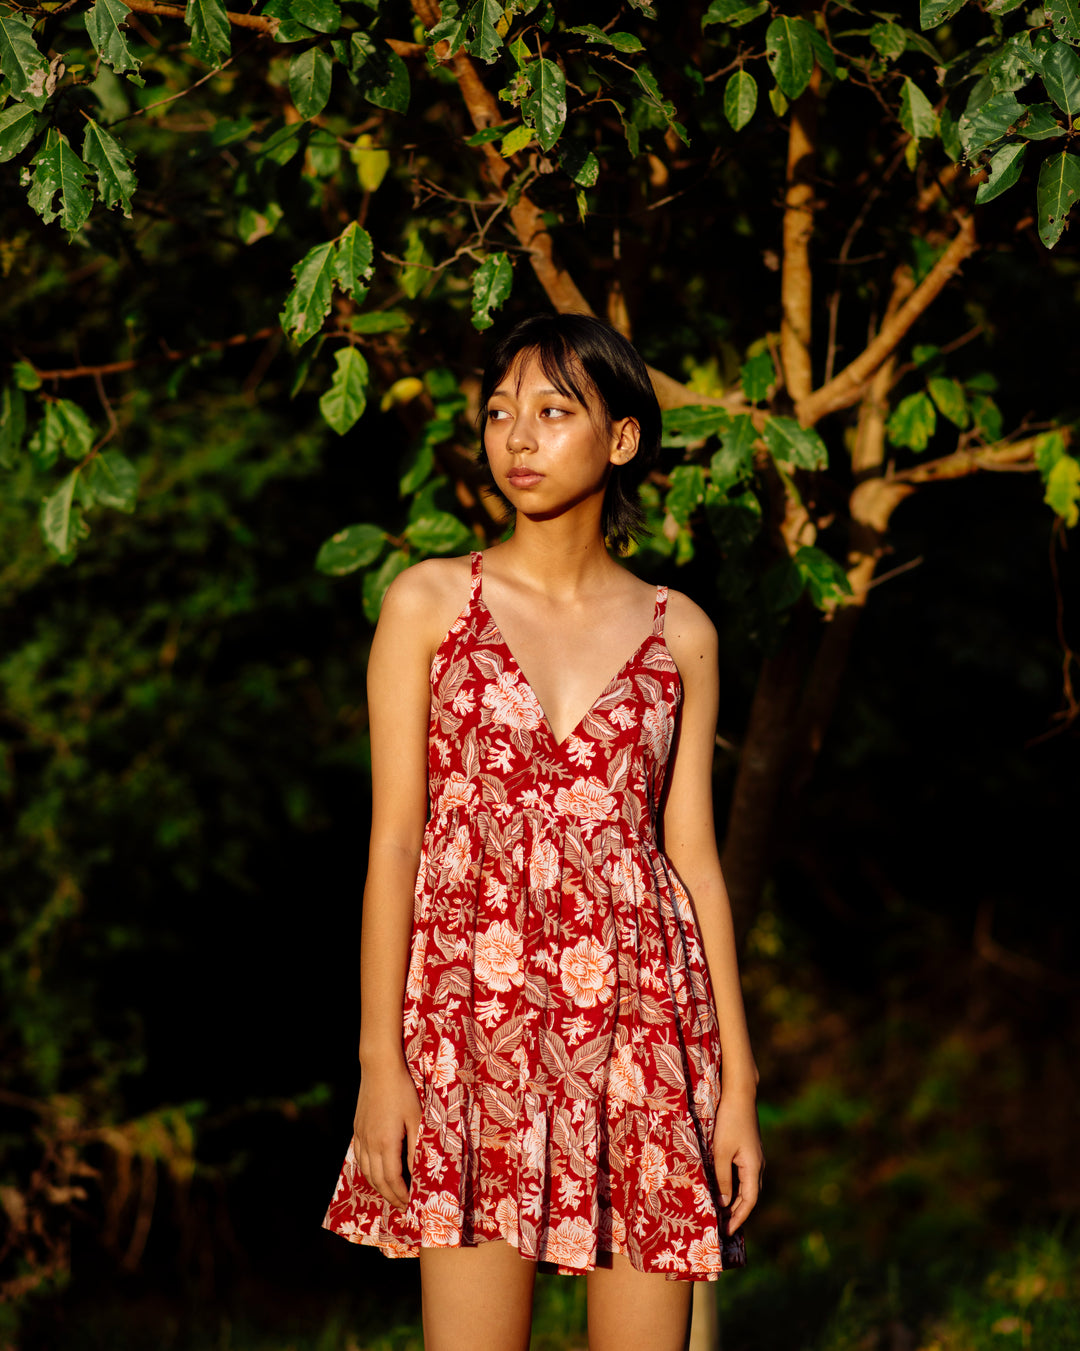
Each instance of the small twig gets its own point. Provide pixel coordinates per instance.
(167, 354)
(895, 572)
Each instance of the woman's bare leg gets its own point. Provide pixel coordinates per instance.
(632, 1311)
(476, 1299)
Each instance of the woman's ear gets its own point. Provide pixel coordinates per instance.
(626, 434)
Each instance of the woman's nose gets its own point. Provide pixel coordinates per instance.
(521, 436)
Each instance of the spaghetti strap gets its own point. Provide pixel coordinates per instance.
(659, 612)
(477, 574)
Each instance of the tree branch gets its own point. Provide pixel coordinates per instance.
(846, 388)
(119, 367)
(1014, 455)
(796, 278)
(258, 22)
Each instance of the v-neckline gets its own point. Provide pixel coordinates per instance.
(521, 671)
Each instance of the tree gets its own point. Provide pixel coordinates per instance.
(808, 184)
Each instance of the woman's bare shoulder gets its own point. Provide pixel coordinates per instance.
(691, 638)
(428, 597)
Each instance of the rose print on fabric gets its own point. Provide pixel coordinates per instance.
(557, 1022)
(587, 974)
(498, 957)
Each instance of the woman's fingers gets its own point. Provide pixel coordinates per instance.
(382, 1168)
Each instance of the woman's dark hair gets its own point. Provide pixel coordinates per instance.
(583, 356)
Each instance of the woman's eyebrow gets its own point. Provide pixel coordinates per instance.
(540, 393)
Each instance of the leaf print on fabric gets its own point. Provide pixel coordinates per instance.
(506, 1217)
(512, 702)
(704, 1254)
(457, 857)
(414, 981)
(588, 799)
(498, 956)
(586, 973)
(653, 1169)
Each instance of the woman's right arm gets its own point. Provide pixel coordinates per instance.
(387, 1107)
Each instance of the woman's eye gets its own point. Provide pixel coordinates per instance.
(556, 412)
(497, 414)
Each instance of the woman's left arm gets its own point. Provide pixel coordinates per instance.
(690, 843)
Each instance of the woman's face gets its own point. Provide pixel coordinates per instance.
(548, 452)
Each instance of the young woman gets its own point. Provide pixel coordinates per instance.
(547, 966)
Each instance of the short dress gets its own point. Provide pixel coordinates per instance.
(558, 1019)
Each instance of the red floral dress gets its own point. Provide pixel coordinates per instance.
(558, 1020)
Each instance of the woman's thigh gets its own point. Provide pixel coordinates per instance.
(476, 1299)
(632, 1311)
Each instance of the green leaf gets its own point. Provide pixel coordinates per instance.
(986, 416)
(790, 54)
(105, 20)
(1064, 19)
(372, 162)
(112, 480)
(935, 12)
(1049, 448)
(285, 143)
(352, 261)
(622, 42)
(491, 281)
(989, 122)
(418, 466)
(948, 397)
(488, 134)
(516, 139)
(825, 579)
(687, 491)
(110, 161)
(737, 444)
(24, 65)
(756, 376)
(76, 429)
(1059, 182)
(12, 424)
(309, 81)
(916, 112)
(416, 276)
(19, 125)
(545, 107)
(735, 13)
(778, 101)
(913, 422)
(380, 321)
(62, 525)
(734, 522)
(346, 399)
(439, 533)
(740, 99)
(888, 40)
(693, 423)
(322, 15)
(25, 376)
(1005, 169)
(58, 170)
(793, 446)
(580, 163)
(1039, 123)
(452, 28)
(210, 37)
(375, 583)
(377, 70)
(1063, 489)
(483, 17)
(357, 546)
(1060, 70)
(308, 303)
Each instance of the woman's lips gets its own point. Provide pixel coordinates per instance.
(524, 478)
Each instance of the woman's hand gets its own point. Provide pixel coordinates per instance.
(387, 1114)
(737, 1142)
